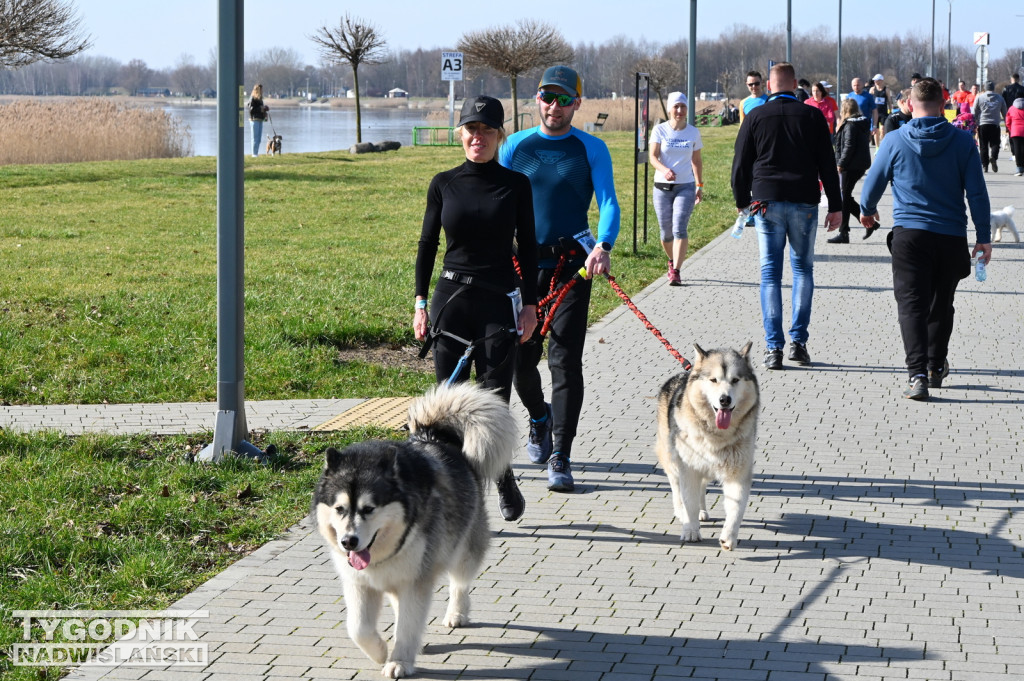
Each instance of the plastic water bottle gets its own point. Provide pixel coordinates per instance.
(741, 221)
(979, 269)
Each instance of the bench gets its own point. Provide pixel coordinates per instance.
(599, 123)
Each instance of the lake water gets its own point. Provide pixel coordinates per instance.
(307, 128)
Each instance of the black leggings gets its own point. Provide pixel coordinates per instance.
(565, 360)
(847, 181)
(473, 314)
(988, 143)
(1017, 149)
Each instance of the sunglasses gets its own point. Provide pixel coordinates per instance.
(758, 83)
(552, 97)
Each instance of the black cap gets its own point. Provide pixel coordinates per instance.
(990, 85)
(487, 110)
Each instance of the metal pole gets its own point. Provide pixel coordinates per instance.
(691, 66)
(789, 31)
(636, 130)
(231, 426)
(949, 41)
(451, 103)
(932, 71)
(839, 49)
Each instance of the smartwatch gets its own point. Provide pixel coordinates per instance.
(605, 246)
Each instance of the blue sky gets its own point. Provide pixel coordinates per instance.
(160, 32)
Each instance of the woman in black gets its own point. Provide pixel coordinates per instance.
(853, 158)
(486, 212)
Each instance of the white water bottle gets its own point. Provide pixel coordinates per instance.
(980, 272)
(741, 221)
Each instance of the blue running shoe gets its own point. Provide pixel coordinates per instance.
(539, 445)
(559, 474)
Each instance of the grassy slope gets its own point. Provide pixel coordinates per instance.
(108, 271)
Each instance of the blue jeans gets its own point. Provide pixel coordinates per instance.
(257, 136)
(796, 222)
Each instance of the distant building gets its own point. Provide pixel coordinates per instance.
(153, 92)
(397, 92)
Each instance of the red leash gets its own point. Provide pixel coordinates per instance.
(650, 327)
(558, 295)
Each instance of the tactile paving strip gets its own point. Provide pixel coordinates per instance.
(388, 412)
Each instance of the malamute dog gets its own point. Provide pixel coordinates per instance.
(707, 426)
(399, 515)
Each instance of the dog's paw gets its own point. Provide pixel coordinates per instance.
(454, 620)
(690, 533)
(998, 237)
(729, 540)
(704, 516)
(396, 669)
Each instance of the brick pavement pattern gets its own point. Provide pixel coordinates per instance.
(882, 539)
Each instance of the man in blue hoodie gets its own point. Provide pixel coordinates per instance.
(931, 166)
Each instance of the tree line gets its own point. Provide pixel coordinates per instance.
(606, 68)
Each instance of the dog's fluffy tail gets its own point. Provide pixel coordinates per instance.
(480, 417)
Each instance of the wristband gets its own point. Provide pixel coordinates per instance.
(700, 185)
(421, 304)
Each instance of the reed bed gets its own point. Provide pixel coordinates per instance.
(85, 129)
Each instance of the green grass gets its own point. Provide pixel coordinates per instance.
(86, 523)
(108, 271)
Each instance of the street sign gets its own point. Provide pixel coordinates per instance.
(451, 66)
(981, 56)
(980, 38)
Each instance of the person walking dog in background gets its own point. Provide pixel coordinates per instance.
(932, 166)
(678, 181)
(257, 115)
(567, 168)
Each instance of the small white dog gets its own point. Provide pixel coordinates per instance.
(1001, 220)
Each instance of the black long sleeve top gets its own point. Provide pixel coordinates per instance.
(484, 210)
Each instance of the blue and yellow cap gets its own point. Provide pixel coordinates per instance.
(564, 77)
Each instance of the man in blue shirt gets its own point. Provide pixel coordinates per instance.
(866, 101)
(567, 169)
(932, 167)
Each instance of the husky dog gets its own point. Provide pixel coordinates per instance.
(398, 515)
(1003, 219)
(707, 425)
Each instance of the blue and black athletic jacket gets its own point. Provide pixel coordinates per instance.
(566, 173)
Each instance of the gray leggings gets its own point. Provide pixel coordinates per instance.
(673, 207)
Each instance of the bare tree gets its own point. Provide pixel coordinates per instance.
(354, 42)
(664, 75)
(38, 30)
(514, 50)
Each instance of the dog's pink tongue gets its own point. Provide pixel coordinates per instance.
(723, 417)
(359, 559)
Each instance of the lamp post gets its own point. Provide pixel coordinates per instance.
(789, 31)
(949, 40)
(932, 71)
(839, 48)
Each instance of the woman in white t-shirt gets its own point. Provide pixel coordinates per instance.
(678, 179)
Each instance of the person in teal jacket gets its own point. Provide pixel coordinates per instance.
(932, 166)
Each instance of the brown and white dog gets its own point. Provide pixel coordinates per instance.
(274, 144)
(707, 430)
